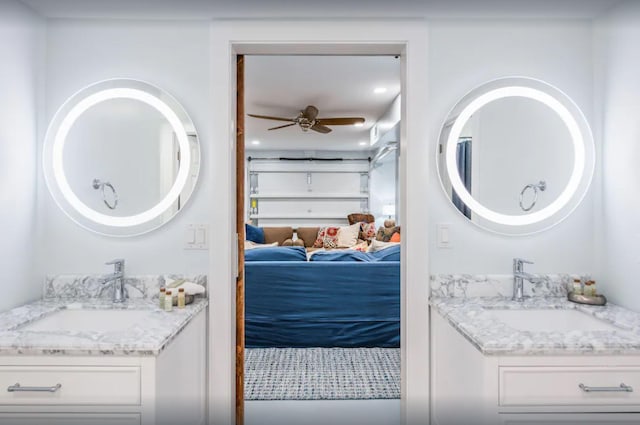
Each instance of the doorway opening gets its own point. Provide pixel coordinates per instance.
(318, 314)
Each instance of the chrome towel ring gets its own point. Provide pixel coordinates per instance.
(541, 186)
(99, 185)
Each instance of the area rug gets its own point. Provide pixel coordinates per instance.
(321, 373)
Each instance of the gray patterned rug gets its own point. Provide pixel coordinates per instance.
(321, 373)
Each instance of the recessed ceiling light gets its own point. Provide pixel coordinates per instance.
(380, 90)
(359, 124)
(255, 142)
(363, 143)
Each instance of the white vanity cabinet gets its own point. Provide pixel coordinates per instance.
(469, 387)
(102, 389)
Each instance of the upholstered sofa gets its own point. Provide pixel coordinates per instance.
(284, 235)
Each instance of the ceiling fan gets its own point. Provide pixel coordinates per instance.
(308, 119)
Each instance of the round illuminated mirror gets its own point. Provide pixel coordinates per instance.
(515, 156)
(121, 157)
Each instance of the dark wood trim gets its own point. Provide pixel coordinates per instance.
(241, 236)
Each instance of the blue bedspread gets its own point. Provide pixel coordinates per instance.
(322, 304)
(389, 254)
(276, 253)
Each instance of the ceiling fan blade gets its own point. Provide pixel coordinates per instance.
(341, 121)
(266, 117)
(310, 112)
(282, 126)
(320, 128)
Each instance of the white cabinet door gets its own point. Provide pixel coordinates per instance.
(570, 386)
(570, 419)
(78, 385)
(69, 419)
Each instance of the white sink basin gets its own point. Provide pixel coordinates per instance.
(88, 320)
(551, 320)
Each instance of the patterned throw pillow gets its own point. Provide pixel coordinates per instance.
(361, 246)
(327, 238)
(367, 231)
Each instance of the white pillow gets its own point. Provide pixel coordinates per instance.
(377, 245)
(348, 235)
(252, 245)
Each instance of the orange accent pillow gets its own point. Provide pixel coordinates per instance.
(395, 237)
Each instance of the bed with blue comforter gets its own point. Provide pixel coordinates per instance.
(339, 298)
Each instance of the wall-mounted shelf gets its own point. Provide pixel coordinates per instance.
(309, 195)
(286, 190)
(325, 216)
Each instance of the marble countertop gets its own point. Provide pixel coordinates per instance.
(139, 339)
(473, 319)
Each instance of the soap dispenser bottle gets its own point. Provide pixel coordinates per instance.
(168, 301)
(161, 297)
(576, 287)
(590, 288)
(181, 298)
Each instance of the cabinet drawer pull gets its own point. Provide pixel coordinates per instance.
(621, 389)
(17, 388)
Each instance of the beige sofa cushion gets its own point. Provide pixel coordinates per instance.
(277, 234)
(308, 235)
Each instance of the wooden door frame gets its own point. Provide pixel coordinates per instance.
(404, 37)
(240, 230)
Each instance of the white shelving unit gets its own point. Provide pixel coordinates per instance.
(306, 192)
(335, 216)
(309, 195)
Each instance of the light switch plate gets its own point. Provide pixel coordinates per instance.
(196, 236)
(444, 235)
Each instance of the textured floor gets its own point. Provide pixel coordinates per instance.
(323, 412)
(322, 373)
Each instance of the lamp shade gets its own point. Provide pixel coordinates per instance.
(389, 210)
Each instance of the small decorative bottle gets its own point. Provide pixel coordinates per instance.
(181, 298)
(168, 301)
(590, 288)
(161, 297)
(577, 287)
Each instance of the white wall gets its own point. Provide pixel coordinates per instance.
(464, 54)
(175, 56)
(21, 53)
(383, 186)
(618, 61)
(172, 55)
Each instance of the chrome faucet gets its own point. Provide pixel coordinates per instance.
(117, 280)
(519, 276)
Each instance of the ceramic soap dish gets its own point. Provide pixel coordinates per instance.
(584, 299)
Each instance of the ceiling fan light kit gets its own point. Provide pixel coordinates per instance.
(308, 119)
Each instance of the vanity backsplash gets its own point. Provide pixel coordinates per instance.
(90, 286)
(498, 285)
